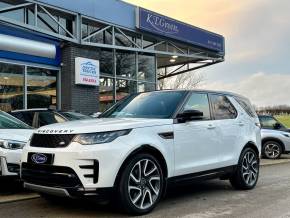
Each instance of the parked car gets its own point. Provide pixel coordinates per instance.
(42, 117)
(275, 137)
(145, 142)
(14, 134)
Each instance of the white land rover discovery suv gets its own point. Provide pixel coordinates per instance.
(145, 142)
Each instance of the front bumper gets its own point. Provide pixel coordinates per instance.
(97, 194)
(10, 162)
(94, 166)
(58, 181)
(8, 169)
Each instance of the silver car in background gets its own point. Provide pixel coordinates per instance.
(275, 137)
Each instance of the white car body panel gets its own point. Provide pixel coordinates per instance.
(206, 145)
(101, 125)
(12, 156)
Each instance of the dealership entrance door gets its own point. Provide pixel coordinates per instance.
(26, 86)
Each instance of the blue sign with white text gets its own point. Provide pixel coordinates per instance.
(162, 25)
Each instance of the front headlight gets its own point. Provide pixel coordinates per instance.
(100, 137)
(11, 144)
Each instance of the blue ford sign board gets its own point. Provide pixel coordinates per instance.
(155, 23)
(87, 71)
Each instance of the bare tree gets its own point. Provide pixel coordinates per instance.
(189, 80)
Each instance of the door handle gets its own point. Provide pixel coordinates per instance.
(210, 126)
(241, 124)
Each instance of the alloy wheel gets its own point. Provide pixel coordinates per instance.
(272, 150)
(144, 184)
(250, 168)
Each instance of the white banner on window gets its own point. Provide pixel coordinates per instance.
(87, 71)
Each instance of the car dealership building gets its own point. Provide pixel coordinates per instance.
(86, 55)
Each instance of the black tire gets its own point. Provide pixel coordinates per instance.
(272, 150)
(243, 179)
(126, 180)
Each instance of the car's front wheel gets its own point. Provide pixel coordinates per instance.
(247, 171)
(271, 150)
(141, 184)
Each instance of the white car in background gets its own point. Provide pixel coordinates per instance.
(275, 137)
(14, 134)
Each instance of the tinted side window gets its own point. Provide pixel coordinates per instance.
(222, 107)
(46, 118)
(246, 105)
(26, 117)
(198, 101)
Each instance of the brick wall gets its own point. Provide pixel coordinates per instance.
(84, 99)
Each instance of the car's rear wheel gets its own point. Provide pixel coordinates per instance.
(141, 184)
(247, 172)
(271, 150)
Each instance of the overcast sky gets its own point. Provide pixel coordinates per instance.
(257, 34)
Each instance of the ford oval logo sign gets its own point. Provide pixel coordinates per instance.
(39, 158)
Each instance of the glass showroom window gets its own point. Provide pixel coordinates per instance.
(106, 62)
(146, 68)
(126, 64)
(41, 88)
(106, 91)
(11, 87)
(124, 88)
(17, 15)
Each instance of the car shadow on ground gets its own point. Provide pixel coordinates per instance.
(11, 186)
(175, 195)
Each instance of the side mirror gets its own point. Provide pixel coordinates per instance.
(189, 115)
(277, 126)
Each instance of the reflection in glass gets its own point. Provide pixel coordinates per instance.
(159, 105)
(106, 91)
(146, 87)
(41, 88)
(11, 87)
(146, 67)
(126, 64)
(106, 62)
(17, 15)
(124, 88)
(199, 102)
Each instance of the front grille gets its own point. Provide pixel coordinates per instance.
(53, 176)
(51, 141)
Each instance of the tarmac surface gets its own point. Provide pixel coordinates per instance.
(271, 198)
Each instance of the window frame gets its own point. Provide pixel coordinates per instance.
(189, 94)
(246, 106)
(26, 65)
(212, 108)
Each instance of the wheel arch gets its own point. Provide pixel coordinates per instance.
(253, 146)
(144, 149)
(264, 140)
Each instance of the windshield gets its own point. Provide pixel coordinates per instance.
(9, 122)
(74, 116)
(160, 105)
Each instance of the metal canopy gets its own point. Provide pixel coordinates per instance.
(69, 26)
